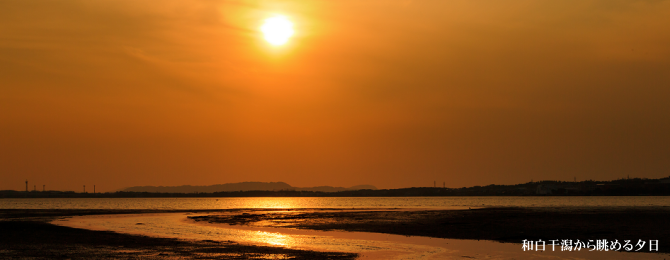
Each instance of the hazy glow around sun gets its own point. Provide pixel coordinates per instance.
(277, 30)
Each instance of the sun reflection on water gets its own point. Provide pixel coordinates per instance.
(330, 202)
(273, 203)
(371, 245)
(276, 239)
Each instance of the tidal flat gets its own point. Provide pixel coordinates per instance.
(30, 234)
(27, 234)
(504, 224)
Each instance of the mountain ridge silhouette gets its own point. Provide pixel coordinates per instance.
(241, 186)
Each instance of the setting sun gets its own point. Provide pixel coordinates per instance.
(277, 30)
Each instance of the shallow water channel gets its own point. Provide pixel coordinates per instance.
(368, 245)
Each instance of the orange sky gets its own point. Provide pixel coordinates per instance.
(121, 93)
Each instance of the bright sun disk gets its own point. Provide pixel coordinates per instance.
(277, 30)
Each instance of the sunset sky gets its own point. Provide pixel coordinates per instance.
(392, 93)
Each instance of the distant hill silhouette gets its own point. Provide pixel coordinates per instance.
(336, 189)
(241, 186)
(620, 187)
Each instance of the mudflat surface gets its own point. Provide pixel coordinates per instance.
(498, 224)
(27, 234)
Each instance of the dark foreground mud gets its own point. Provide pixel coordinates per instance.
(499, 224)
(27, 235)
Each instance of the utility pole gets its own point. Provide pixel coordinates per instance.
(84, 188)
(26, 185)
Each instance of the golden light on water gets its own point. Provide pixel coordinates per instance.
(277, 30)
(276, 239)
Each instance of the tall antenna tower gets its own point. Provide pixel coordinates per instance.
(26, 185)
(84, 188)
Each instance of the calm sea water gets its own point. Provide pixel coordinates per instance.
(301, 202)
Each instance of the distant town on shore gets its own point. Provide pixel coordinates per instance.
(620, 187)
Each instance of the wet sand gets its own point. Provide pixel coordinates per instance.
(27, 234)
(511, 225)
